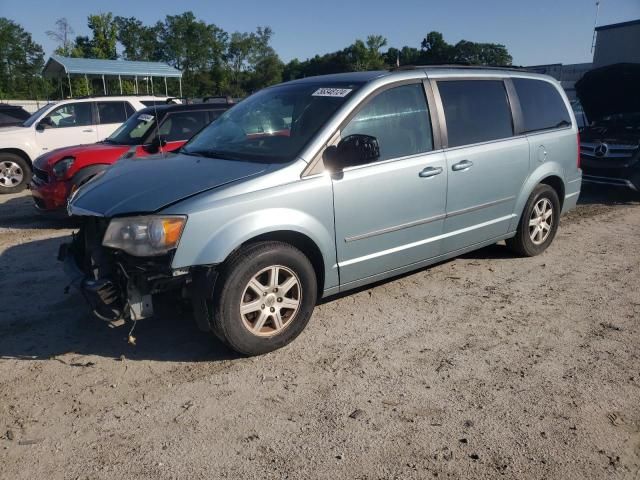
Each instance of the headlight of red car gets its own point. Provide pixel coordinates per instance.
(61, 168)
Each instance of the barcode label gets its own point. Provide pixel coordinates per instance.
(331, 92)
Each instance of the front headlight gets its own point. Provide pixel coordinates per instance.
(61, 168)
(145, 236)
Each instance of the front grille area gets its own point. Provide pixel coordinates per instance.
(41, 175)
(608, 150)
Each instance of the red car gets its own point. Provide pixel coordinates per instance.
(162, 128)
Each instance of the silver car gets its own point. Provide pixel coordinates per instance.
(321, 185)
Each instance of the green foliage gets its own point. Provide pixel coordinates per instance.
(21, 60)
(105, 36)
(213, 61)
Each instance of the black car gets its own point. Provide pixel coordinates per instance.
(11, 115)
(610, 143)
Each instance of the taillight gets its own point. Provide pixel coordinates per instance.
(578, 162)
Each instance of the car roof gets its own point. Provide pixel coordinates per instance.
(180, 107)
(429, 70)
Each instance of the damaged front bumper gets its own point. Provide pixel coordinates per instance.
(118, 286)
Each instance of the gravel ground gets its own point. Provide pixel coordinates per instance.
(487, 366)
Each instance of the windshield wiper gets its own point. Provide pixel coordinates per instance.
(211, 154)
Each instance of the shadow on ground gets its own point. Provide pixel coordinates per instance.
(19, 212)
(39, 321)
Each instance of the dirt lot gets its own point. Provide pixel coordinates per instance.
(487, 366)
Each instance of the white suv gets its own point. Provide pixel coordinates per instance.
(61, 124)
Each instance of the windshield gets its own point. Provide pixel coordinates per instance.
(630, 120)
(273, 125)
(133, 131)
(32, 119)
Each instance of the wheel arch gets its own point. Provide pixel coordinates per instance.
(19, 152)
(302, 242)
(550, 174)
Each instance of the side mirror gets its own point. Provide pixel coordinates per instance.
(156, 144)
(352, 150)
(44, 123)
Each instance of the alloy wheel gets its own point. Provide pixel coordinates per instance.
(541, 221)
(11, 174)
(270, 301)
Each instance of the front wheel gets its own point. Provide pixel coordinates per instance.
(15, 173)
(265, 297)
(538, 223)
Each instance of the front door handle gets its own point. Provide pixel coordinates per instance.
(430, 172)
(88, 130)
(463, 165)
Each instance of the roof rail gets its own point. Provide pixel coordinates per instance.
(118, 95)
(227, 99)
(461, 66)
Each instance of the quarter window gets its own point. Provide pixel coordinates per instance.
(183, 125)
(70, 115)
(541, 104)
(399, 119)
(475, 111)
(113, 112)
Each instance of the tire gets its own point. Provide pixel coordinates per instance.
(544, 198)
(15, 173)
(271, 319)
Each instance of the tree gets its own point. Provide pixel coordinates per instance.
(21, 60)
(139, 42)
(105, 36)
(62, 34)
(435, 50)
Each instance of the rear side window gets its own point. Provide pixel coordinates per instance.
(475, 111)
(182, 125)
(399, 119)
(541, 104)
(112, 112)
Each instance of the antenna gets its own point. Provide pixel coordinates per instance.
(157, 120)
(595, 23)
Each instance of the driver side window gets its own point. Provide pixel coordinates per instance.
(399, 119)
(70, 115)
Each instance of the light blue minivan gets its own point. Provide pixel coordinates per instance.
(321, 185)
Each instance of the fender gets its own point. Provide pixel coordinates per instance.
(87, 172)
(548, 169)
(222, 241)
(18, 142)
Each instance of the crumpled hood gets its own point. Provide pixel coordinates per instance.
(610, 90)
(146, 185)
(109, 151)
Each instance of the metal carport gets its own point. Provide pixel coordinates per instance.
(59, 67)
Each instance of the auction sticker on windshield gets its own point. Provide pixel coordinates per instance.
(145, 117)
(331, 92)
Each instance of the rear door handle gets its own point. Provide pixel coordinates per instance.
(463, 165)
(88, 130)
(430, 172)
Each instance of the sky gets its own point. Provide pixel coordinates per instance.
(535, 32)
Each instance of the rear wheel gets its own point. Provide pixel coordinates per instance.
(265, 297)
(538, 223)
(15, 173)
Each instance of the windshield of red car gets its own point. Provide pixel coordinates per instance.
(133, 131)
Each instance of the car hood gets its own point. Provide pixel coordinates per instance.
(98, 149)
(148, 184)
(610, 90)
(12, 130)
